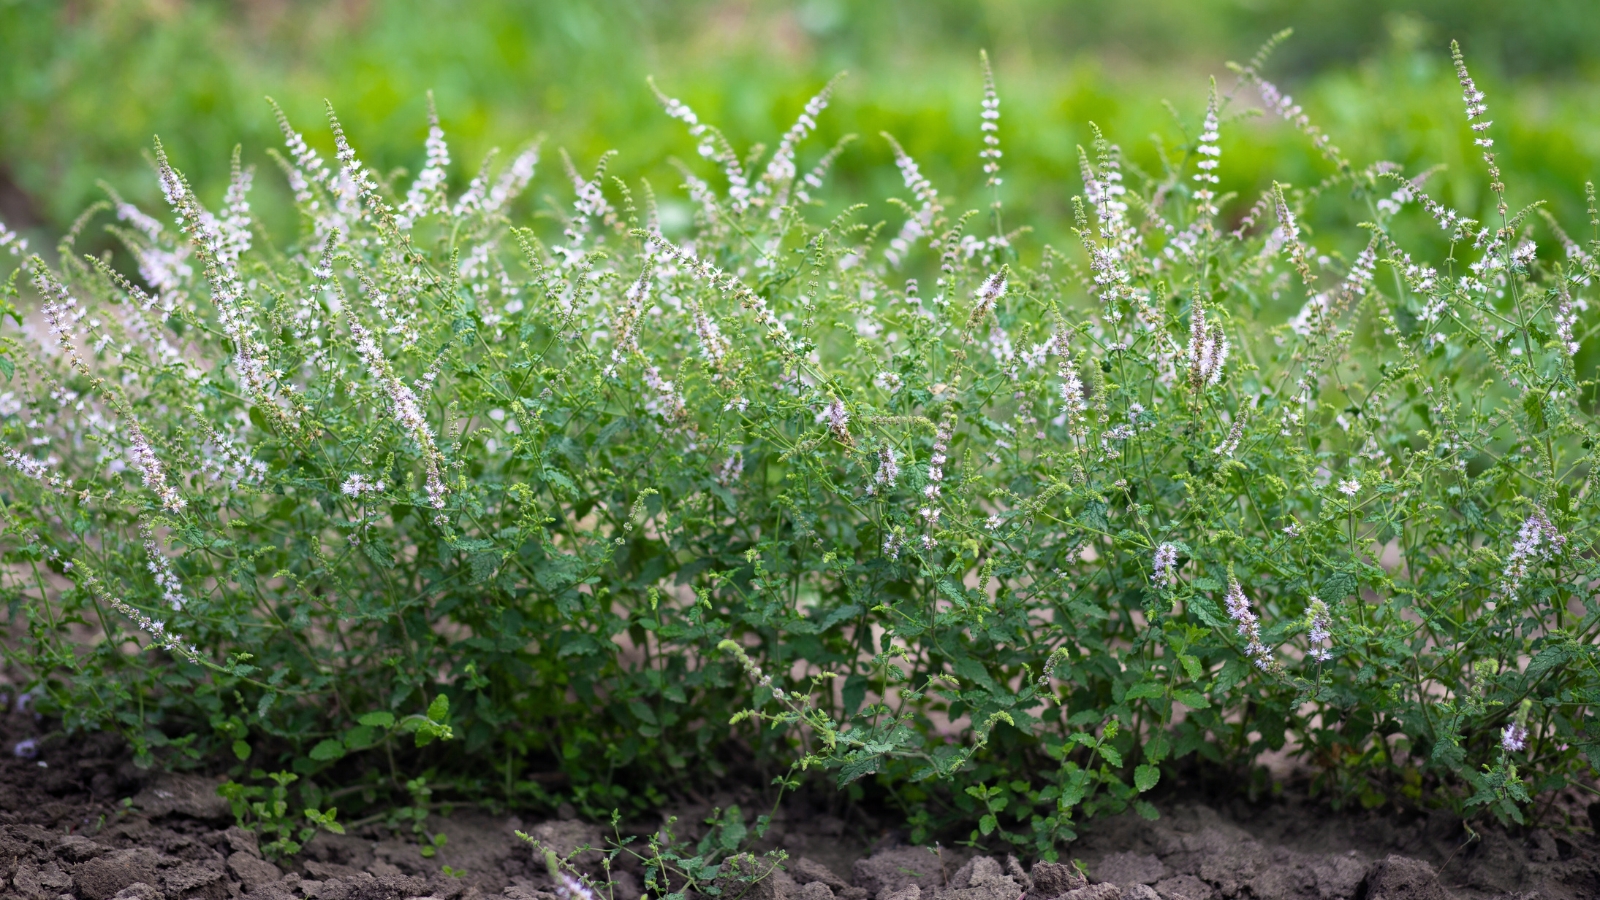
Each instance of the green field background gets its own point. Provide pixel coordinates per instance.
(86, 85)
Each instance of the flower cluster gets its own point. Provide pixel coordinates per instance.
(359, 486)
(169, 641)
(427, 191)
(1208, 350)
(888, 471)
(712, 146)
(1165, 566)
(406, 409)
(1210, 154)
(1537, 540)
(1248, 626)
(150, 468)
(925, 218)
(778, 179)
(1319, 624)
(990, 154)
(10, 241)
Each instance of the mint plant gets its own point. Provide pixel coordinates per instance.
(998, 528)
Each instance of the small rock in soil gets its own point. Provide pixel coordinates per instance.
(241, 841)
(975, 871)
(1140, 892)
(184, 795)
(1094, 892)
(253, 872)
(1054, 879)
(1130, 868)
(806, 871)
(890, 870)
(139, 891)
(566, 836)
(40, 882)
(194, 882)
(1015, 870)
(1339, 876)
(1401, 878)
(102, 878)
(909, 892)
(1184, 887)
(816, 890)
(77, 848)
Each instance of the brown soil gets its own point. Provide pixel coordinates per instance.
(67, 834)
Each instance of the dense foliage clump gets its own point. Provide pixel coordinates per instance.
(1003, 531)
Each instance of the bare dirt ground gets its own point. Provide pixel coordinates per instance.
(66, 834)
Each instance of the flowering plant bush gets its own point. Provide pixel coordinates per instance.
(915, 502)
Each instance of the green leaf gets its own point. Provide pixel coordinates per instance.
(241, 749)
(987, 824)
(858, 766)
(1205, 610)
(1191, 665)
(1159, 745)
(377, 550)
(1547, 659)
(1534, 408)
(377, 719)
(854, 693)
(439, 709)
(8, 367)
(642, 712)
(1145, 691)
(327, 750)
(1110, 755)
(1191, 699)
(358, 738)
(1145, 777)
(733, 830)
(1146, 810)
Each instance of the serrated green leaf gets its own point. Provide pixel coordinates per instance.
(439, 709)
(1145, 691)
(377, 719)
(327, 750)
(1191, 699)
(1191, 665)
(241, 749)
(1145, 777)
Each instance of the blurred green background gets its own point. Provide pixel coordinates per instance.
(85, 84)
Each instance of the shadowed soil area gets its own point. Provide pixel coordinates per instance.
(66, 832)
